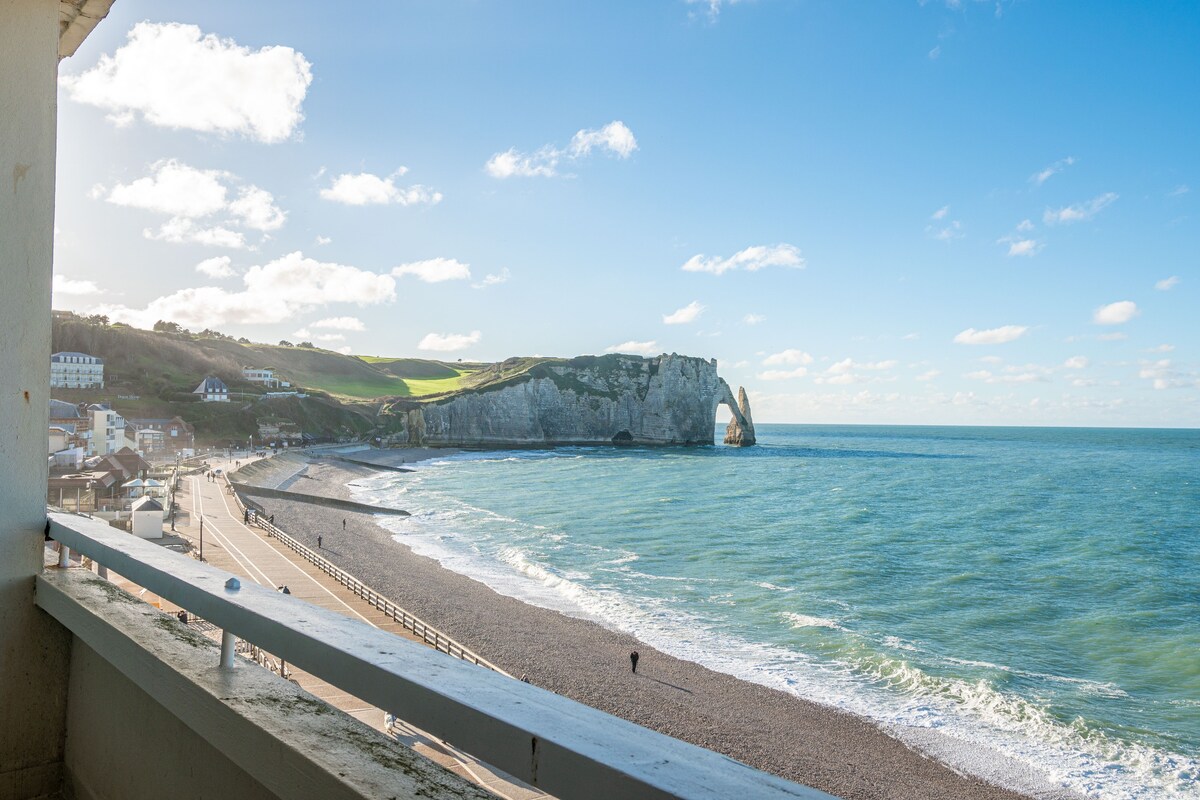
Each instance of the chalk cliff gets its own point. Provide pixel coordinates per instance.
(613, 399)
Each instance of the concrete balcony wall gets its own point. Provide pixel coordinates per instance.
(152, 714)
(33, 650)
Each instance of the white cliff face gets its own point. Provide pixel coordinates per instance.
(615, 399)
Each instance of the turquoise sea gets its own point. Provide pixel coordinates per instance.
(1028, 593)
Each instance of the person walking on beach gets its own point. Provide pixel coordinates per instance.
(319, 545)
(633, 659)
(343, 524)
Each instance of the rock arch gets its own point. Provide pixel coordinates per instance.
(740, 431)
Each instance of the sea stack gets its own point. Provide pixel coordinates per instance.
(740, 432)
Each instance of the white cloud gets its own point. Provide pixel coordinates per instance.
(367, 189)
(492, 279)
(63, 285)
(323, 240)
(940, 213)
(1001, 335)
(1179, 190)
(174, 189)
(272, 293)
(330, 337)
(177, 77)
(1025, 225)
(1164, 376)
(1115, 313)
(1116, 336)
(216, 267)
(944, 230)
(753, 319)
(641, 348)
(1167, 284)
(447, 342)
(847, 371)
(189, 195)
(1080, 212)
(614, 138)
(1022, 247)
(1044, 175)
(1162, 348)
(340, 324)
(256, 209)
(782, 374)
(687, 314)
(510, 163)
(303, 333)
(752, 259)
(435, 270)
(1076, 362)
(1014, 377)
(180, 230)
(347, 350)
(935, 52)
(791, 356)
(928, 375)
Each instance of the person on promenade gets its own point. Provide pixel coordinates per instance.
(246, 517)
(271, 519)
(633, 659)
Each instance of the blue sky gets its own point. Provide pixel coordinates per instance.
(939, 212)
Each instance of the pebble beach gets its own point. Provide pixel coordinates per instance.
(835, 751)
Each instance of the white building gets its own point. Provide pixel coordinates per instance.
(108, 430)
(70, 370)
(261, 375)
(147, 514)
(213, 390)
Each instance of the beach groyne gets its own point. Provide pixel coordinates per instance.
(313, 499)
(614, 399)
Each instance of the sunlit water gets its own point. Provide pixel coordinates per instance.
(1032, 591)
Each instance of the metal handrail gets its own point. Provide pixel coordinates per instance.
(565, 748)
(414, 624)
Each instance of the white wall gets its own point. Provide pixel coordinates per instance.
(33, 649)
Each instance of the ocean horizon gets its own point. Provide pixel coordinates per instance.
(1029, 594)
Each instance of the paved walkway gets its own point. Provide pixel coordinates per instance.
(238, 548)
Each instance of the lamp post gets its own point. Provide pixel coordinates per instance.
(201, 537)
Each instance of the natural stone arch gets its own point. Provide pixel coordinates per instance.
(740, 431)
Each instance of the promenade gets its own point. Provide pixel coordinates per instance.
(241, 549)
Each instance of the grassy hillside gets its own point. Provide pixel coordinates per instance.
(163, 364)
(348, 395)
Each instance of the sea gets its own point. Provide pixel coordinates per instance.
(1022, 602)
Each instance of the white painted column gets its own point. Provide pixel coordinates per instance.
(33, 647)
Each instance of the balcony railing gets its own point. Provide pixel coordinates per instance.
(560, 746)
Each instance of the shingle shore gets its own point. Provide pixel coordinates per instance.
(832, 750)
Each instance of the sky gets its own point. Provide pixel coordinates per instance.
(952, 212)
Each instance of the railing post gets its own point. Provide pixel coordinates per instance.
(64, 555)
(228, 642)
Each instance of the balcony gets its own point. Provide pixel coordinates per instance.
(146, 687)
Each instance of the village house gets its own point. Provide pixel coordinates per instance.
(212, 390)
(161, 435)
(107, 428)
(261, 375)
(70, 370)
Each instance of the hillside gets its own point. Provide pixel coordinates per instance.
(153, 373)
(160, 370)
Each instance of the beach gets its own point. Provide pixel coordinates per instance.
(817, 745)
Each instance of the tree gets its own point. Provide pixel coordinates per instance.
(285, 343)
(163, 326)
(309, 345)
(98, 319)
(243, 340)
